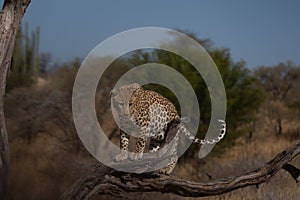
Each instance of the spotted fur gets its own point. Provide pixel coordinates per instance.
(152, 114)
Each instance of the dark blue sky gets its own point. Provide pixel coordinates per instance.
(259, 32)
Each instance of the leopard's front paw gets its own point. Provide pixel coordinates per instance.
(165, 171)
(136, 156)
(122, 156)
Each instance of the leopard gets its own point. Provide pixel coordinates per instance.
(152, 114)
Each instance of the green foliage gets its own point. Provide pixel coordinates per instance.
(243, 96)
(25, 62)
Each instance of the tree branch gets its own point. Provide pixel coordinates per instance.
(104, 180)
(10, 19)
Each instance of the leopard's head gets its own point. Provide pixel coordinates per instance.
(121, 101)
(121, 98)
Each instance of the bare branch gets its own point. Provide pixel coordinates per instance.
(104, 180)
(294, 171)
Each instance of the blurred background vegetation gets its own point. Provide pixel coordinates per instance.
(263, 111)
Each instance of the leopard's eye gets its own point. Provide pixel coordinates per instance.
(113, 93)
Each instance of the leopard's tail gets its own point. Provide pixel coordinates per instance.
(204, 141)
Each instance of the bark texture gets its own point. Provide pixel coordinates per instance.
(10, 19)
(104, 180)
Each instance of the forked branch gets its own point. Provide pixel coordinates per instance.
(104, 180)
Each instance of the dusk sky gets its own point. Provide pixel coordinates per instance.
(259, 32)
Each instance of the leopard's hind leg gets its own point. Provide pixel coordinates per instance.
(170, 167)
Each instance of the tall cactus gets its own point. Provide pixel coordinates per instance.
(25, 62)
(36, 54)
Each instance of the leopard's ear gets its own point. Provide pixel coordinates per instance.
(135, 85)
(112, 93)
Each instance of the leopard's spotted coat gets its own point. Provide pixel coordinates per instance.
(152, 113)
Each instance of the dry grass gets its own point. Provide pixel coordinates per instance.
(42, 169)
(243, 157)
(44, 164)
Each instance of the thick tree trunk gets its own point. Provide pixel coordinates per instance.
(10, 19)
(105, 181)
